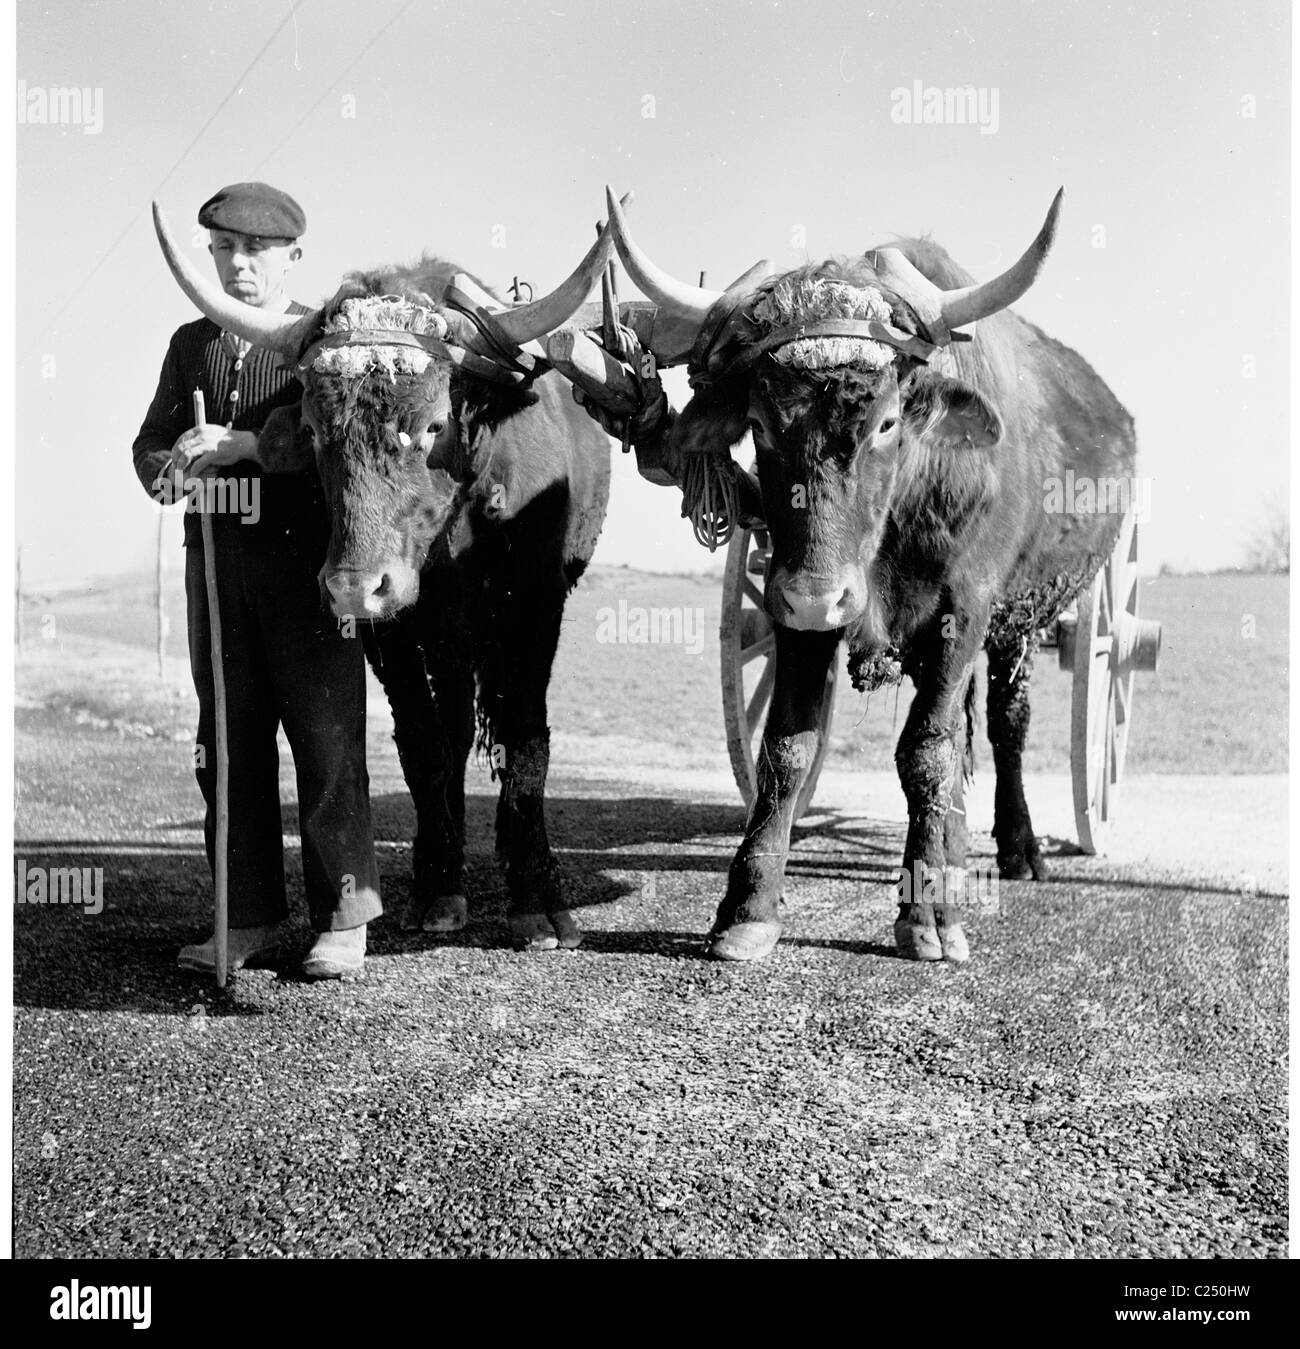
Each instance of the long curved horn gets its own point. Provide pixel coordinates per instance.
(976, 302)
(682, 308)
(676, 298)
(530, 321)
(280, 332)
(945, 309)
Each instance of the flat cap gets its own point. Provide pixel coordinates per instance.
(254, 208)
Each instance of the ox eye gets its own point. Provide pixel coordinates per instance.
(887, 425)
(436, 428)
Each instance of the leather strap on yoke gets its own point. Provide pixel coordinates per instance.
(503, 350)
(860, 328)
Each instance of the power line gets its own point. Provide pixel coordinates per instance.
(130, 225)
(280, 144)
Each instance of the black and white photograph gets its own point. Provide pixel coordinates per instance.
(651, 632)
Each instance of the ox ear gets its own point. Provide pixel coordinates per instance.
(483, 406)
(940, 409)
(715, 419)
(284, 444)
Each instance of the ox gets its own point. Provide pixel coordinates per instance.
(465, 500)
(902, 476)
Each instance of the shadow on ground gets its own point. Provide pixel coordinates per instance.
(157, 895)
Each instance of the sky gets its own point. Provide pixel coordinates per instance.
(486, 131)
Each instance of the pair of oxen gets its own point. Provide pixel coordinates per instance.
(900, 469)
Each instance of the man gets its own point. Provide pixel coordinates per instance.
(284, 657)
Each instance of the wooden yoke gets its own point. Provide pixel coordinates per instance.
(610, 383)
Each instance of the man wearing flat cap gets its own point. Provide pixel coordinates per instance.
(285, 660)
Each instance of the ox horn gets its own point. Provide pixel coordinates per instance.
(279, 332)
(976, 302)
(946, 309)
(525, 323)
(676, 298)
(747, 280)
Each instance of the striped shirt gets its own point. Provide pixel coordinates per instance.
(242, 391)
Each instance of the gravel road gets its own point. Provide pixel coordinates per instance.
(1106, 1078)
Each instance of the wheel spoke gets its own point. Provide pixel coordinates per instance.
(1123, 693)
(758, 648)
(1100, 683)
(1113, 734)
(753, 594)
(762, 693)
(1106, 731)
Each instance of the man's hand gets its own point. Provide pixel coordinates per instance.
(651, 416)
(201, 450)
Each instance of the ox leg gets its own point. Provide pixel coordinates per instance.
(1008, 715)
(956, 835)
(433, 720)
(930, 760)
(523, 617)
(748, 924)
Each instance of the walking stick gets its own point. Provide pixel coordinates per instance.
(221, 924)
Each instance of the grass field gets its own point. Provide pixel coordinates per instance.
(1217, 704)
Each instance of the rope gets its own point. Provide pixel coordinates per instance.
(710, 498)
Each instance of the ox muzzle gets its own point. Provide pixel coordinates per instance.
(816, 603)
(370, 592)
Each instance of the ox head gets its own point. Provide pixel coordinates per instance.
(396, 390)
(827, 367)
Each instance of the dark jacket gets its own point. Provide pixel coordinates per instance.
(198, 359)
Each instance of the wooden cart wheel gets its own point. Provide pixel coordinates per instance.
(749, 666)
(1104, 646)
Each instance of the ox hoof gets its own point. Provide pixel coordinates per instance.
(1023, 869)
(533, 932)
(917, 941)
(743, 941)
(413, 913)
(567, 931)
(447, 913)
(953, 941)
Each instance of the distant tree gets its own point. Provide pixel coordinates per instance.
(1270, 549)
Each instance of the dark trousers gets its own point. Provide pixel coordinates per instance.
(285, 662)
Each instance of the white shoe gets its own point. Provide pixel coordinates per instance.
(336, 954)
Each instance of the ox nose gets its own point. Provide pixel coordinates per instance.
(820, 610)
(363, 593)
